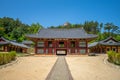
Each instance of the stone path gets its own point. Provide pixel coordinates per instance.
(60, 70)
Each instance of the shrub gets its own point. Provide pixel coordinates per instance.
(114, 57)
(117, 56)
(1, 58)
(111, 56)
(7, 57)
(13, 55)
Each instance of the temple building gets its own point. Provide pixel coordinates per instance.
(7, 45)
(105, 45)
(61, 41)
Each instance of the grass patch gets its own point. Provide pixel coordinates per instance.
(22, 54)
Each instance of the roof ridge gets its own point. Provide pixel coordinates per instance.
(109, 38)
(59, 28)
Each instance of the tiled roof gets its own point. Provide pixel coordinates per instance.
(12, 43)
(19, 44)
(103, 42)
(62, 33)
(93, 44)
(108, 39)
(3, 43)
(116, 44)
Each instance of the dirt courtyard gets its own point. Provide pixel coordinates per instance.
(92, 68)
(28, 68)
(81, 67)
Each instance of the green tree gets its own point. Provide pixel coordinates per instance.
(91, 27)
(1, 31)
(111, 29)
(34, 28)
(108, 27)
(13, 28)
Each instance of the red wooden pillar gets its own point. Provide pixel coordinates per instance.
(105, 49)
(67, 46)
(53, 47)
(77, 46)
(46, 46)
(3, 48)
(7, 48)
(36, 47)
(86, 46)
(111, 48)
(65, 43)
(56, 44)
(117, 49)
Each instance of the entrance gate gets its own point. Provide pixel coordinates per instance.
(61, 52)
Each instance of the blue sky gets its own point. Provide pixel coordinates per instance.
(57, 12)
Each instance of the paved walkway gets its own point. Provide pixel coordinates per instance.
(60, 70)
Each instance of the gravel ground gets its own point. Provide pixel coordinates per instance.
(92, 68)
(60, 70)
(28, 68)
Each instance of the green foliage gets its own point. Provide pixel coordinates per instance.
(1, 31)
(117, 57)
(14, 29)
(118, 37)
(111, 56)
(111, 28)
(13, 55)
(114, 57)
(1, 58)
(7, 57)
(35, 27)
(91, 27)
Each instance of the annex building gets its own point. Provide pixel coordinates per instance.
(7, 45)
(105, 45)
(61, 41)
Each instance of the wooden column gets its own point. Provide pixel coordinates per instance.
(46, 47)
(67, 45)
(111, 47)
(100, 49)
(105, 49)
(77, 46)
(53, 46)
(117, 49)
(86, 46)
(3, 48)
(36, 47)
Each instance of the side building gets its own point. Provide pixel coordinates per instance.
(7, 45)
(61, 41)
(105, 45)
